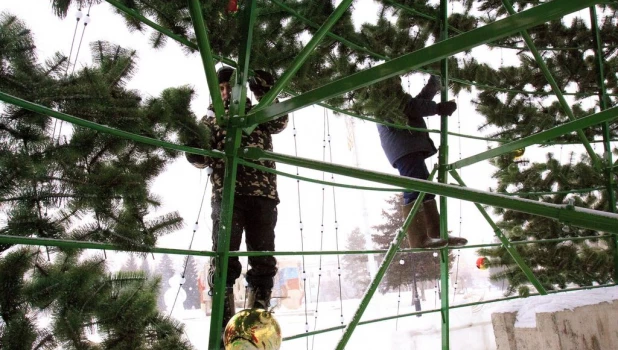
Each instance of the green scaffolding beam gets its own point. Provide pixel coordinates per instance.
(517, 22)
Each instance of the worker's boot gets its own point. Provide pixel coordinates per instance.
(229, 309)
(417, 231)
(432, 219)
(258, 298)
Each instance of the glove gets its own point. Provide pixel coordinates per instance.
(261, 83)
(446, 108)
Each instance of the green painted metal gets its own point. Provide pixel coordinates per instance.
(343, 40)
(307, 179)
(102, 128)
(604, 104)
(427, 55)
(388, 258)
(131, 12)
(65, 243)
(443, 178)
(424, 15)
(234, 137)
(301, 58)
(594, 119)
(554, 86)
(506, 243)
(201, 34)
(581, 190)
(579, 217)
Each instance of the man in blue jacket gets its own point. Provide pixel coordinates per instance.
(407, 150)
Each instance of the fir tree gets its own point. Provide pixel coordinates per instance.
(566, 178)
(130, 264)
(165, 269)
(190, 286)
(85, 185)
(145, 267)
(81, 296)
(355, 275)
(423, 265)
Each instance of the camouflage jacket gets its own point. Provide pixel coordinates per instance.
(249, 181)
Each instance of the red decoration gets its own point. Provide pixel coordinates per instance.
(481, 263)
(232, 6)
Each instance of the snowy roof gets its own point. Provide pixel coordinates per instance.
(527, 308)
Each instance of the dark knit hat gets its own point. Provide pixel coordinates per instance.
(224, 74)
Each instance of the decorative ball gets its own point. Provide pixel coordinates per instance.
(513, 168)
(519, 152)
(252, 329)
(481, 263)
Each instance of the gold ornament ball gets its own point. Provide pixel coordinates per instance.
(252, 329)
(519, 152)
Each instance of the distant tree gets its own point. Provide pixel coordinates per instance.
(165, 269)
(424, 265)
(130, 264)
(355, 274)
(145, 267)
(190, 286)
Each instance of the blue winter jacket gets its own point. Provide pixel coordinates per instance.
(397, 142)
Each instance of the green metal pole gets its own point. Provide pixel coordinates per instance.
(303, 55)
(201, 34)
(388, 258)
(506, 243)
(554, 86)
(604, 104)
(232, 143)
(102, 128)
(603, 116)
(403, 64)
(65, 243)
(443, 178)
(575, 216)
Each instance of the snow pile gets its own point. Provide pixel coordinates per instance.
(527, 308)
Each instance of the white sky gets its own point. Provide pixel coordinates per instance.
(181, 186)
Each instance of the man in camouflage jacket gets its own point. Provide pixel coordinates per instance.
(255, 200)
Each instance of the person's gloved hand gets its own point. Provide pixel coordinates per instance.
(446, 108)
(261, 82)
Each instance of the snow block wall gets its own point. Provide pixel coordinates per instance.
(584, 320)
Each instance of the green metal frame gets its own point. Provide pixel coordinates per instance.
(238, 118)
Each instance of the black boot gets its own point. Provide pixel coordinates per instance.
(258, 298)
(417, 231)
(432, 218)
(229, 309)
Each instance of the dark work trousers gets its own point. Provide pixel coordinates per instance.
(413, 165)
(257, 216)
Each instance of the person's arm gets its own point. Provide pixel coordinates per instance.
(417, 108)
(276, 126)
(197, 160)
(260, 84)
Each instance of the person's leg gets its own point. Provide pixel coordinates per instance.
(234, 267)
(260, 236)
(413, 165)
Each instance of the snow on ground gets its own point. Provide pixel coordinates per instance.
(470, 327)
(528, 308)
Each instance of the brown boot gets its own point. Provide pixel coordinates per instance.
(432, 218)
(417, 231)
